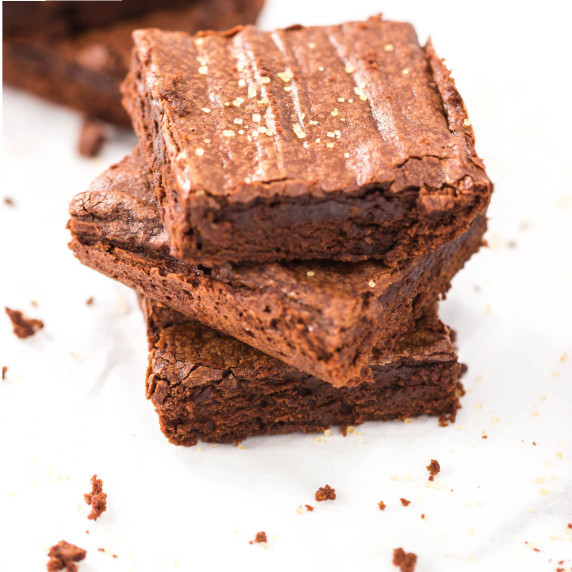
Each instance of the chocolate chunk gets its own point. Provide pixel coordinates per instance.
(325, 493)
(63, 556)
(97, 499)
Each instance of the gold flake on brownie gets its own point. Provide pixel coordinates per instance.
(285, 76)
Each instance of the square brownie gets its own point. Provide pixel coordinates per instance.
(83, 65)
(345, 142)
(211, 387)
(321, 317)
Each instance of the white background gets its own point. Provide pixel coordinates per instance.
(73, 403)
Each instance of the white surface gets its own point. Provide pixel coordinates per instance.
(73, 403)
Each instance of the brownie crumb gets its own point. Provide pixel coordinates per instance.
(381, 505)
(423, 516)
(259, 538)
(92, 137)
(63, 556)
(344, 430)
(325, 493)
(405, 561)
(23, 327)
(4, 370)
(309, 508)
(89, 301)
(434, 468)
(97, 499)
(570, 525)
(444, 420)
(9, 201)
(405, 502)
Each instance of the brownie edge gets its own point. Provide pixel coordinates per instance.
(211, 387)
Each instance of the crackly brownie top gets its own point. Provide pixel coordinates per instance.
(249, 114)
(186, 351)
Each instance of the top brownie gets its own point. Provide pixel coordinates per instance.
(341, 142)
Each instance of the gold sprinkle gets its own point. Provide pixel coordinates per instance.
(262, 130)
(199, 41)
(371, 284)
(310, 273)
(240, 66)
(318, 139)
(347, 155)
(535, 414)
(302, 116)
(329, 145)
(300, 510)
(241, 131)
(555, 374)
(563, 357)
(263, 101)
(330, 134)
(479, 378)
(242, 447)
(199, 152)
(320, 439)
(238, 120)
(341, 99)
(238, 102)
(321, 68)
(299, 131)
(228, 133)
(241, 83)
(249, 138)
(363, 97)
(265, 79)
(207, 141)
(388, 47)
(544, 492)
(467, 122)
(251, 91)
(256, 117)
(495, 420)
(327, 433)
(394, 477)
(206, 109)
(287, 88)
(559, 455)
(543, 398)
(350, 100)
(338, 133)
(405, 71)
(350, 429)
(312, 122)
(350, 68)
(285, 76)
(478, 406)
(202, 60)
(407, 420)
(335, 112)
(540, 480)
(311, 45)
(203, 70)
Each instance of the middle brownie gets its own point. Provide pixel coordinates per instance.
(323, 318)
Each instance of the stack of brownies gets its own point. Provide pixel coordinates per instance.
(299, 202)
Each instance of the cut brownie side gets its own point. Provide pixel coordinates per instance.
(343, 142)
(322, 318)
(211, 387)
(83, 69)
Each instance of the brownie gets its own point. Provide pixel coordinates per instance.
(58, 18)
(343, 142)
(211, 387)
(321, 317)
(83, 69)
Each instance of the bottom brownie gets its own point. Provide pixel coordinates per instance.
(208, 386)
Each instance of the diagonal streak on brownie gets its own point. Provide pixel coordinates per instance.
(321, 317)
(208, 386)
(341, 142)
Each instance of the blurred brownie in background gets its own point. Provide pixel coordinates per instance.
(77, 53)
